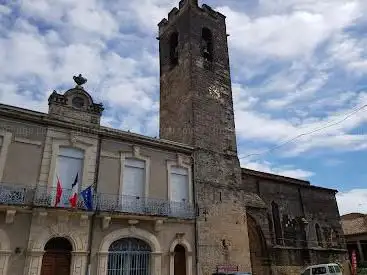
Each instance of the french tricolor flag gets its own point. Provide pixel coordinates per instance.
(74, 192)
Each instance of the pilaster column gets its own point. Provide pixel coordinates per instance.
(156, 263)
(33, 262)
(102, 263)
(79, 262)
(171, 263)
(189, 263)
(4, 260)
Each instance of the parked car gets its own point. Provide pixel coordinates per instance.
(324, 269)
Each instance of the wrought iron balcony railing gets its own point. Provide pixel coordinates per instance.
(16, 195)
(145, 206)
(43, 196)
(47, 197)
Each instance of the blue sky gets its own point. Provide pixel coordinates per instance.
(296, 65)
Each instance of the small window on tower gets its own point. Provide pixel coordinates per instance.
(207, 44)
(174, 48)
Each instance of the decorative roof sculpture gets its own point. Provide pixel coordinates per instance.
(80, 80)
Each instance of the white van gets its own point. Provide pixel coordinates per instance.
(324, 269)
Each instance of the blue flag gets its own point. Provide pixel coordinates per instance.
(87, 197)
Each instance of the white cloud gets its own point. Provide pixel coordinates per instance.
(350, 53)
(4, 10)
(93, 19)
(23, 52)
(296, 32)
(305, 90)
(288, 171)
(328, 132)
(150, 12)
(354, 200)
(24, 100)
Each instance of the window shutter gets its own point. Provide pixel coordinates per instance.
(179, 184)
(134, 178)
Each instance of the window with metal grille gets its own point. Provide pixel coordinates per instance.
(129, 256)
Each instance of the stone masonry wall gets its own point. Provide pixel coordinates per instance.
(197, 108)
(316, 205)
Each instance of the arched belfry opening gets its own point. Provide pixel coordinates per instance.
(57, 257)
(318, 235)
(174, 48)
(180, 260)
(207, 44)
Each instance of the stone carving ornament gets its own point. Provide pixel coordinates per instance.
(79, 80)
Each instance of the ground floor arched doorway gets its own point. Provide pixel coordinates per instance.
(57, 257)
(129, 256)
(258, 252)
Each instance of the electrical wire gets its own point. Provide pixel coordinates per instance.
(329, 124)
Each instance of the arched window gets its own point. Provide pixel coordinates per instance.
(57, 259)
(207, 44)
(318, 235)
(129, 256)
(174, 48)
(277, 224)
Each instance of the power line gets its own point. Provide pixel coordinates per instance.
(329, 124)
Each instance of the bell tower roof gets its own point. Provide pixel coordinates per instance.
(205, 10)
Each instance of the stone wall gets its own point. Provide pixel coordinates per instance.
(197, 109)
(298, 247)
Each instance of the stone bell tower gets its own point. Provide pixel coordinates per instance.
(196, 108)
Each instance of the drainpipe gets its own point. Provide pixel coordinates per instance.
(196, 217)
(91, 227)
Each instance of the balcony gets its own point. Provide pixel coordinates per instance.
(42, 196)
(46, 197)
(16, 195)
(144, 206)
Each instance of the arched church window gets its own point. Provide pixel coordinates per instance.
(277, 224)
(318, 235)
(207, 44)
(174, 48)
